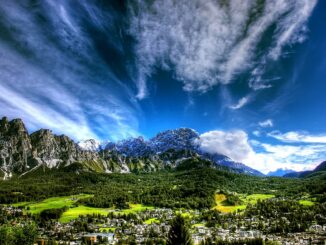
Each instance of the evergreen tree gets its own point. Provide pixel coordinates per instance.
(179, 233)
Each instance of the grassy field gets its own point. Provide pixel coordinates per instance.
(20, 204)
(246, 199)
(134, 208)
(306, 202)
(152, 220)
(51, 203)
(198, 225)
(73, 213)
(252, 199)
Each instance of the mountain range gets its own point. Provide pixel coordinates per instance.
(320, 169)
(280, 172)
(21, 152)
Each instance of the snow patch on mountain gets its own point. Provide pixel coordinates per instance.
(90, 145)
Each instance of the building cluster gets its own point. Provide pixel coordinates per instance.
(154, 225)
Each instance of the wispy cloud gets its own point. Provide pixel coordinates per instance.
(266, 124)
(298, 137)
(242, 102)
(54, 77)
(211, 42)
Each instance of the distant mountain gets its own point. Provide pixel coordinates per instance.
(21, 153)
(280, 172)
(182, 139)
(321, 168)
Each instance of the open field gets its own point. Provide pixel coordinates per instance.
(306, 202)
(51, 203)
(246, 199)
(73, 213)
(253, 198)
(152, 220)
(134, 208)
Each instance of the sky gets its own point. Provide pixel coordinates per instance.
(248, 76)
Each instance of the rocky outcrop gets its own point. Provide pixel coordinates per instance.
(21, 152)
(15, 147)
(56, 151)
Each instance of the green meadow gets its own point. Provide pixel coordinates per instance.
(135, 208)
(73, 211)
(306, 202)
(246, 199)
(51, 203)
(152, 220)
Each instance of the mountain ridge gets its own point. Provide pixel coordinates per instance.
(280, 172)
(319, 169)
(21, 152)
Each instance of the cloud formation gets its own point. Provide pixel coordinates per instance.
(233, 144)
(242, 102)
(261, 156)
(266, 124)
(52, 75)
(298, 137)
(211, 42)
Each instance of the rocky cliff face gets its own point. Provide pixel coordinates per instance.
(55, 151)
(21, 152)
(15, 147)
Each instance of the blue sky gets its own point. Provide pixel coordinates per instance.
(249, 76)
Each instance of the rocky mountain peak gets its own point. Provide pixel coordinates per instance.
(134, 147)
(21, 153)
(177, 139)
(15, 146)
(18, 125)
(4, 124)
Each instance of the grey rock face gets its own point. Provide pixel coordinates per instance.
(15, 146)
(21, 152)
(55, 151)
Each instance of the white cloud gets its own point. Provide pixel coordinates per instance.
(266, 124)
(297, 158)
(242, 102)
(261, 156)
(298, 137)
(211, 42)
(233, 144)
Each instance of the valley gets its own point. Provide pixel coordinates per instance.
(217, 205)
(132, 191)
